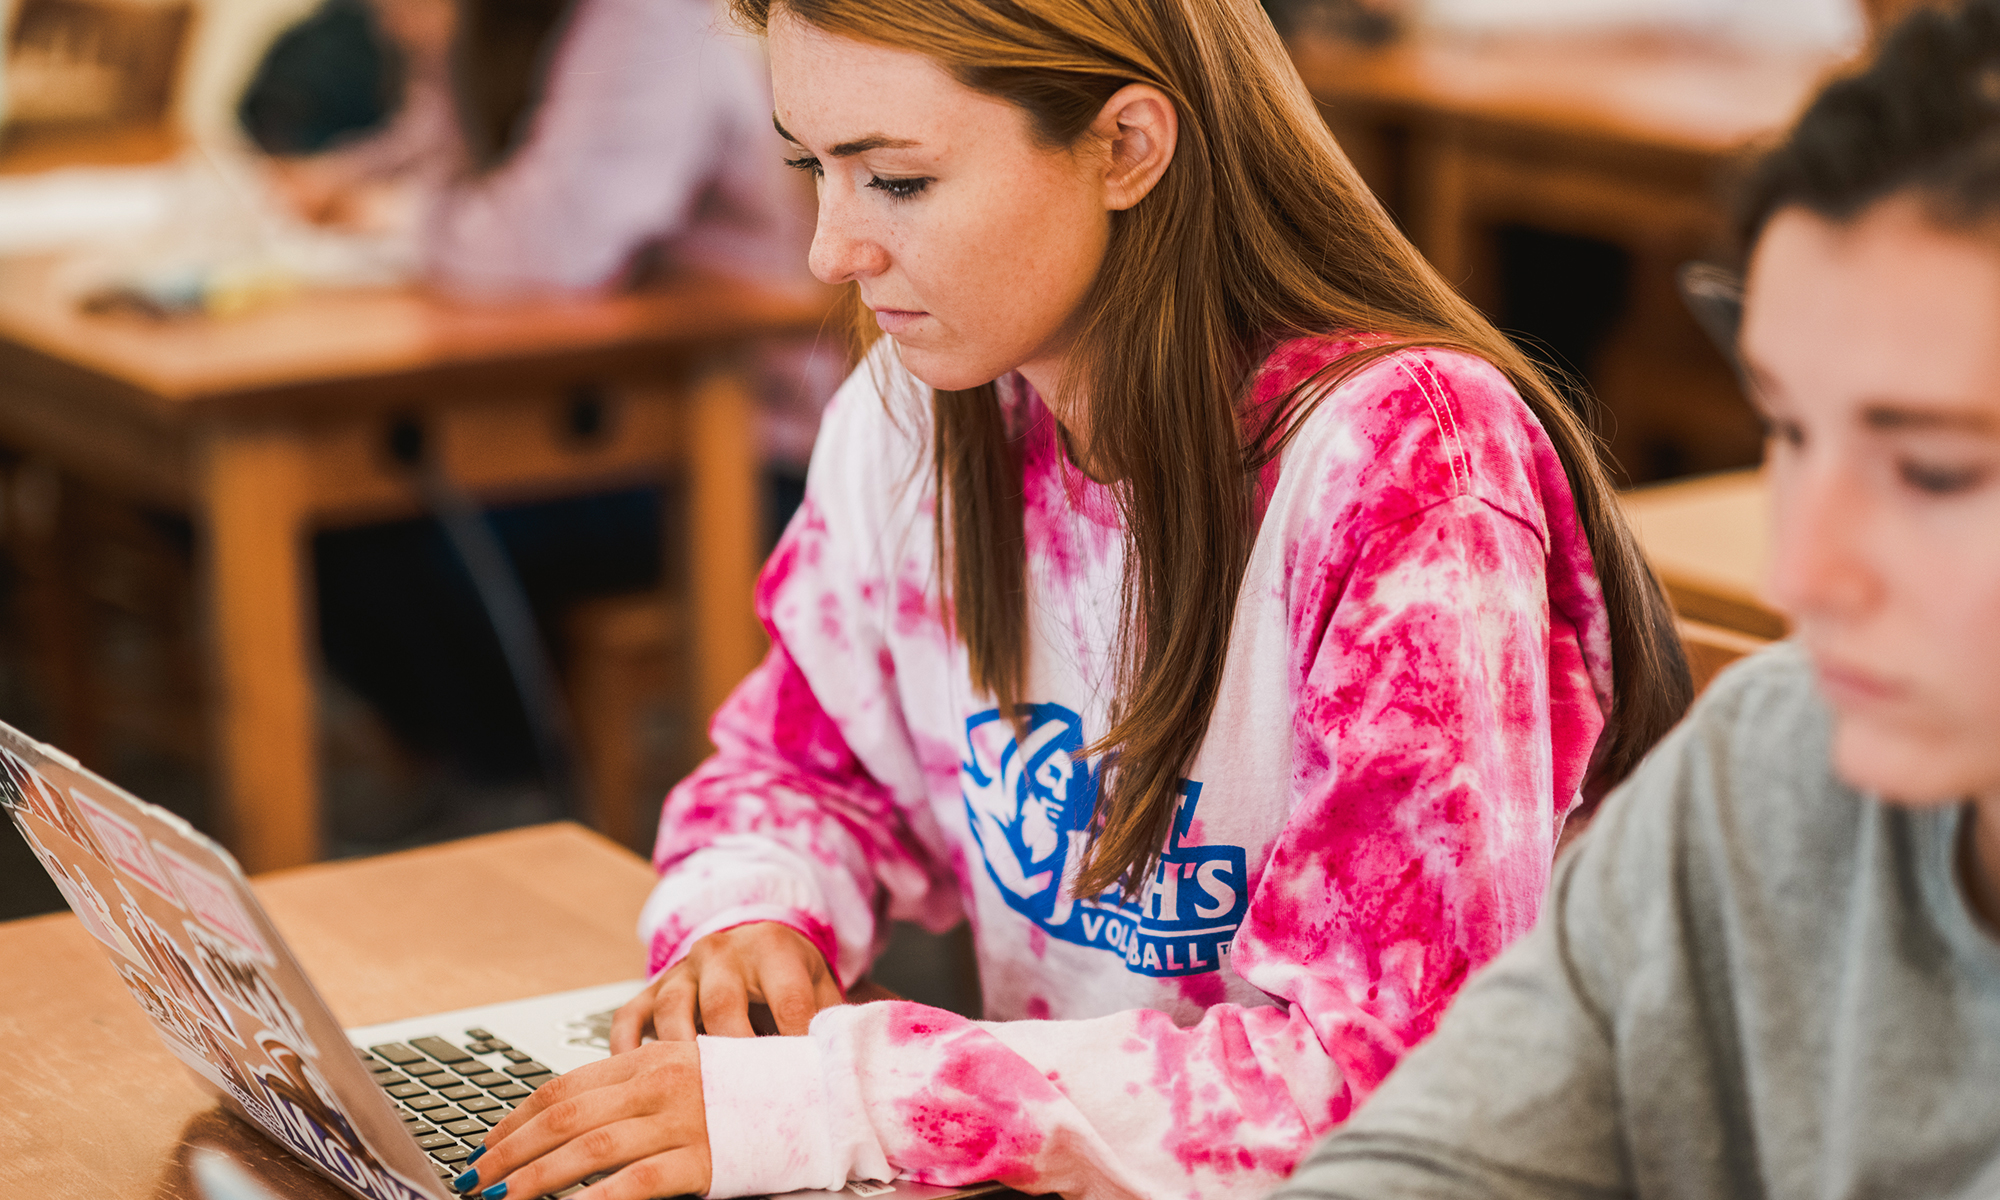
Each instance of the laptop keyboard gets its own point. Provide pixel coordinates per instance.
(448, 1097)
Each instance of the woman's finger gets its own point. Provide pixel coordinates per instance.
(661, 1090)
(674, 1006)
(601, 1148)
(787, 985)
(826, 992)
(724, 1001)
(686, 1171)
(593, 1076)
(633, 1018)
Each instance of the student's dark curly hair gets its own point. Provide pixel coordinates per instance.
(1923, 115)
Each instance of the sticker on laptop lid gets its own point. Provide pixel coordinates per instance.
(79, 893)
(213, 902)
(126, 847)
(171, 966)
(24, 788)
(238, 977)
(312, 1121)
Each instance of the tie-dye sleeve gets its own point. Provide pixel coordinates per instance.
(1419, 844)
(1425, 772)
(785, 822)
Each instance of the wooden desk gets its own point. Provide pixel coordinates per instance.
(1623, 140)
(92, 1105)
(267, 425)
(1709, 539)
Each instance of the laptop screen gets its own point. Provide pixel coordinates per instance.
(170, 908)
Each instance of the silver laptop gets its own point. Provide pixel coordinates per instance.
(388, 1112)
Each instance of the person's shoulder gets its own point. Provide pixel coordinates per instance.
(1745, 783)
(1398, 429)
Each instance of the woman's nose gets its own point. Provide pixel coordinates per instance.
(1821, 568)
(843, 248)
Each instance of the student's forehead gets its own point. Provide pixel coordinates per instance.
(841, 88)
(1885, 312)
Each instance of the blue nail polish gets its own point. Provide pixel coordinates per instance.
(496, 1192)
(475, 1156)
(465, 1181)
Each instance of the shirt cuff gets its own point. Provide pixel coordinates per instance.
(779, 1120)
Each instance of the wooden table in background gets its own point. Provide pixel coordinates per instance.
(265, 426)
(92, 1105)
(1709, 540)
(1627, 141)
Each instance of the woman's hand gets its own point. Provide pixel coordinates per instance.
(712, 989)
(638, 1114)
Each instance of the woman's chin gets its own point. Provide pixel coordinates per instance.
(1908, 769)
(946, 373)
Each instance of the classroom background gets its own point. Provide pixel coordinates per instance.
(338, 539)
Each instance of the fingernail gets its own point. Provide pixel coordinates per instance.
(475, 1157)
(495, 1192)
(465, 1181)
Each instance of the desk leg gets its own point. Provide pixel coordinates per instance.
(723, 507)
(255, 491)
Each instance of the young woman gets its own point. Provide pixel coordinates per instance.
(1190, 590)
(1772, 966)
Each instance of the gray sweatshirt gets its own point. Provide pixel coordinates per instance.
(1749, 981)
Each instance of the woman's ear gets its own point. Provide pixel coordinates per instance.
(1139, 126)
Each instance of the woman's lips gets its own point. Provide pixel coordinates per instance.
(897, 320)
(1853, 686)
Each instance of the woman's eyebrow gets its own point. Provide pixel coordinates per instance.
(1905, 418)
(862, 145)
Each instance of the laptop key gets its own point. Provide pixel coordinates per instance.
(437, 1048)
(484, 1035)
(451, 1153)
(419, 1128)
(445, 1116)
(493, 1116)
(535, 1081)
(425, 1103)
(463, 1091)
(425, 1068)
(404, 1091)
(531, 1067)
(490, 1079)
(516, 1056)
(510, 1091)
(479, 1104)
(465, 1128)
(432, 1141)
(497, 1044)
(390, 1078)
(397, 1052)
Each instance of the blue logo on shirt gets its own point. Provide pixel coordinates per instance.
(1030, 803)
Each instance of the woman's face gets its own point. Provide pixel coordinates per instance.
(973, 244)
(1874, 352)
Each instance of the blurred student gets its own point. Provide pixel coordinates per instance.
(1772, 965)
(539, 146)
(1191, 590)
(578, 145)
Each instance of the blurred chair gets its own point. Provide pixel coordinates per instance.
(93, 64)
(624, 682)
(1711, 648)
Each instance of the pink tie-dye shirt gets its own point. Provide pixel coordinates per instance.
(1416, 678)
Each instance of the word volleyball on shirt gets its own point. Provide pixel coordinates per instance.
(1030, 804)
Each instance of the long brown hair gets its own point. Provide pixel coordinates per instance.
(1260, 228)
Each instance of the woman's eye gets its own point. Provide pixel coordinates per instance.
(900, 189)
(1936, 480)
(806, 163)
(1786, 433)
